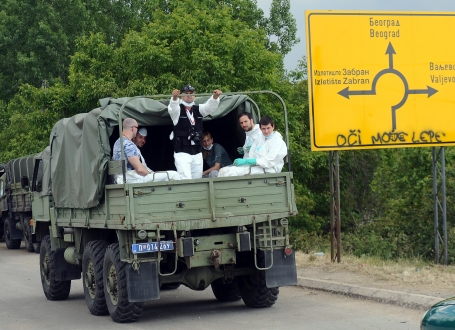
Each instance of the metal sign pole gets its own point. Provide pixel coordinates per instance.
(444, 208)
(435, 206)
(338, 208)
(335, 219)
(439, 204)
(332, 208)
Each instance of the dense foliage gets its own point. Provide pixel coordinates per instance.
(400, 216)
(36, 40)
(87, 50)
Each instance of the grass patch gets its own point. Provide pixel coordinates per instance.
(374, 271)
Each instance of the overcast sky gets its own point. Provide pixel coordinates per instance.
(298, 8)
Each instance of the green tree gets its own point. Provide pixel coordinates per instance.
(36, 39)
(217, 52)
(116, 18)
(401, 223)
(29, 119)
(282, 26)
(310, 168)
(360, 203)
(243, 10)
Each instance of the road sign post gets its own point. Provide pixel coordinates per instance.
(382, 80)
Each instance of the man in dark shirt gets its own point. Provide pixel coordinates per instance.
(214, 155)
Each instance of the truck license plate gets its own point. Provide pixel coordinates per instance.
(152, 247)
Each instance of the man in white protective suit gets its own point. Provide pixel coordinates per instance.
(187, 133)
(265, 156)
(252, 132)
(137, 170)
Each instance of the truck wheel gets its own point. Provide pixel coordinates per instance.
(53, 289)
(2, 229)
(226, 291)
(170, 286)
(115, 288)
(28, 236)
(11, 243)
(254, 290)
(92, 272)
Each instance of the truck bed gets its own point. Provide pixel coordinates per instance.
(189, 204)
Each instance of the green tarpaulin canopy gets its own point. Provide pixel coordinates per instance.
(80, 146)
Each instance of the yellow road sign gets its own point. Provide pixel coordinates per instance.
(381, 79)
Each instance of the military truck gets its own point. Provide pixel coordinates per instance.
(129, 240)
(16, 223)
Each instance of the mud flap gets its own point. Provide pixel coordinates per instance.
(63, 270)
(143, 285)
(283, 272)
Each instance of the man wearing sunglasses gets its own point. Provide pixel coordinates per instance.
(187, 133)
(136, 171)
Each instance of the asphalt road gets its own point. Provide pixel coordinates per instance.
(24, 306)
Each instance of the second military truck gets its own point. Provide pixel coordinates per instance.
(16, 223)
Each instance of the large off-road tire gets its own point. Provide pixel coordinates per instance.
(254, 290)
(28, 237)
(115, 288)
(53, 289)
(92, 273)
(170, 286)
(11, 243)
(226, 291)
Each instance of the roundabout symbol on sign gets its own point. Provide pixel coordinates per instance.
(390, 51)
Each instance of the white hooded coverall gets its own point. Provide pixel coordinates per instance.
(269, 153)
(251, 136)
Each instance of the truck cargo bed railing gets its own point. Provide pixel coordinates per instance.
(255, 236)
(159, 252)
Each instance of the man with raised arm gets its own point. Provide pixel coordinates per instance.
(187, 133)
